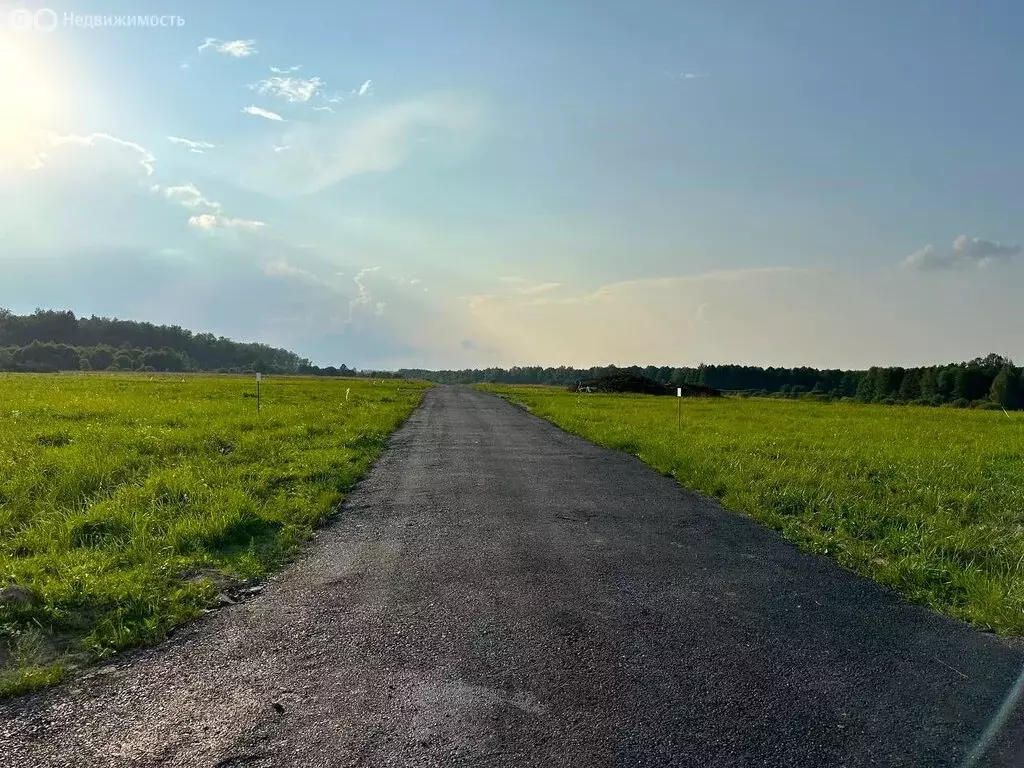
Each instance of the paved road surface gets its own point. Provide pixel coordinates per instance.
(499, 593)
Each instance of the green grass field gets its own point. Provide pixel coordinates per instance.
(929, 501)
(127, 502)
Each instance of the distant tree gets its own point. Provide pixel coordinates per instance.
(928, 384)
(1005, 387)
(946, 382)
(849, 383)
(101, 358)
(973, 381)
(84, 364)
(888, 383)
(867, 389)
(910, 387)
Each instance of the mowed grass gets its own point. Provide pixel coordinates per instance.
(928, 501)
(127, 502)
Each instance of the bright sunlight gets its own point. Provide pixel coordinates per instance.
(28, 102)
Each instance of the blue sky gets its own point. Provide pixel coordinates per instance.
(402, 183)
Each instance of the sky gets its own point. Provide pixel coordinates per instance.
(468, 183)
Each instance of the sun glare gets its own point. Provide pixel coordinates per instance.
(28, 102)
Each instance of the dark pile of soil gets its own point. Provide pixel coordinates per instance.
(631, 382)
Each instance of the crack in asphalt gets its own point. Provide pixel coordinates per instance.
(450, 617)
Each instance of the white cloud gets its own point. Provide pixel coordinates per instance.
(965, 252)
(293, 89)
(362, 297)
(144, 157)
(285, 70)
(322, 108)
(284, 268)
(365, 88)
(686, 75)
(260, 112)
(281, 268)
(236, 48)
(189, 196)
(199, 147)
(210, 221)
(282, 147)
(533, 290)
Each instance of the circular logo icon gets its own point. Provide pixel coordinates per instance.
(45, 20)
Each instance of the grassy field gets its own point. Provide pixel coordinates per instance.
(128, 502)
(927, 501)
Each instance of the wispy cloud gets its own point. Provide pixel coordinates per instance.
(293, 89)
(365, 89)
(325, 152)
(965, 252)
(199, 147)
(533, 290)
(145, 157)
(284, 268)
(362, 297)
(322, 108)
(189, 196)
(209, 222)
(285, 70)
(260, 112)
(686, 75)
(282, 147)
(237, 48)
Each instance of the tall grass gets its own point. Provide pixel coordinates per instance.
(127, 502)
(927, 501)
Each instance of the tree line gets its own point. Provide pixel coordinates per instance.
(49, 340)
(991, 381)
(58, 341)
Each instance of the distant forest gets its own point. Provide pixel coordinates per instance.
(991, 381)
(48, 341)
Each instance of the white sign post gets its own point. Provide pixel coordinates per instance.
(679, 399)
(259, 378)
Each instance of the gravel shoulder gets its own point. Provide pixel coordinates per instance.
(500, 593)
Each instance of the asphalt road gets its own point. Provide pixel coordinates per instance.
(500, 593)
